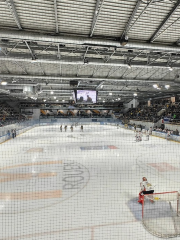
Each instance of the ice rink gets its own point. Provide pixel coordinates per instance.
(81, 185)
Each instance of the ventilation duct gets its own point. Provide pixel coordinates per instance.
(29, 36)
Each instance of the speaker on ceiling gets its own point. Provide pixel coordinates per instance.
(73, 83)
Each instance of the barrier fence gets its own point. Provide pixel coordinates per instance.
(27, 125)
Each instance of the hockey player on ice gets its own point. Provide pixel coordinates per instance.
(147, 135)
(146, 188)
(168, 135)
(150, 131)
(138, 136)
(65, 128)
(81, 128)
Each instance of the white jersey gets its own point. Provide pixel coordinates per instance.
(168, 133)
(145, 186)
(138, 136)
(147, 136)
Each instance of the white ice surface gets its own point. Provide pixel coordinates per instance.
(104, 206)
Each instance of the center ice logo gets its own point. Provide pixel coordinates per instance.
(32, 186)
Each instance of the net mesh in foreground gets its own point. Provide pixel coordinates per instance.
(160, 214)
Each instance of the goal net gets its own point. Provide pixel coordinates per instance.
(160, 214)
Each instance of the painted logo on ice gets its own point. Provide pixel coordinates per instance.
(36, 185)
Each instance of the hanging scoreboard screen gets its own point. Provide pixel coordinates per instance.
(86, 96)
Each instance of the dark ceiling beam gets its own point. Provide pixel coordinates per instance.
(97, 11)
(19, 51)
(11, 6)
(131, 19)
(30, 50)
(56, 16)
(100, 84)
(131, 23)
(84, 56)
(157, 33)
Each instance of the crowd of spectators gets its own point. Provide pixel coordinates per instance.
(172, 111)
(144, 113)
(162, 109)
(153, 113)
(9, 116)
(79, 114)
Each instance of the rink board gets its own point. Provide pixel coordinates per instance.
(98, 147)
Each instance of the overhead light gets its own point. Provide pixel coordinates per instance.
(135, 94)
(170, 68)
(34, 98)
(57, 100)
(103, 101)
(62, 100)
(110, 93)
(99, 98)
(52, 92)
(167, 86)
(155, 86)
(54, 97)
(129, 65)
(3, 83)
(44, 100)
(119, 98)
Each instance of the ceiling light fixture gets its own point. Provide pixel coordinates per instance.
(135, 94)
(155, 86)
(129, 65)
(3, 83)
(170, 68)
(54, 97)
(52, 92)
(110, 93)
(167, 86)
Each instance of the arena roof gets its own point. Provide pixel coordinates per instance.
(123, 47)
